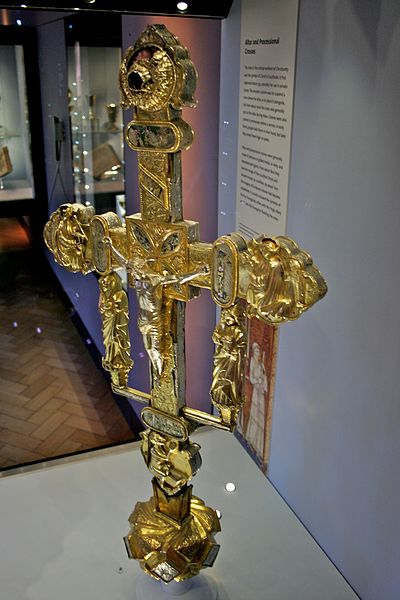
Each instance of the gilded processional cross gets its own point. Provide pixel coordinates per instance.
(272, 279)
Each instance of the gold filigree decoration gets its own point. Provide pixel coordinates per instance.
(113, 307)
(157, 71)
(283, 281)
(229, 360)
(66, 236)
(150, 79)
(155, 162)
(154, 194)
(165, 248)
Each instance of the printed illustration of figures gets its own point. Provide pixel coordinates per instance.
(255, 421)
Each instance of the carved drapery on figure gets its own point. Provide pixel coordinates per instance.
(172, 535)
(66, 236)
(229, 360)
(283, 281)
(113, 307)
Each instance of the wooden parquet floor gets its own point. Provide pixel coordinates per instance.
(53, 399)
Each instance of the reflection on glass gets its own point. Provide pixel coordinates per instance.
(16, 178)
(96, 125)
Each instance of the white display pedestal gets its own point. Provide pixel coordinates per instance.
(61, 530)
(197, 588)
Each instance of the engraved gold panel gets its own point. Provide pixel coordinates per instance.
(225, 269)
(100, 227)
(158, 421)
(159, 136)
(154, 186)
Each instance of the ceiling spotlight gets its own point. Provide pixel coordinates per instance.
(90, 1)
(182, 6)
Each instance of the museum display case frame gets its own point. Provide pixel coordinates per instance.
(198, 8)
(30, 197)
(95, 117)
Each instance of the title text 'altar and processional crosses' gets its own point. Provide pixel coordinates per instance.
(172, 534)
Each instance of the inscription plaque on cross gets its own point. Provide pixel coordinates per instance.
(272, 279)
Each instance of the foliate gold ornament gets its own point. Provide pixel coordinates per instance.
(172, 535)
(157, 72)
(164, 248)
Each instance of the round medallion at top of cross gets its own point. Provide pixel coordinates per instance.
(150, 79)
(157, 72)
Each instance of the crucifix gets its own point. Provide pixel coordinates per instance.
(172, 535)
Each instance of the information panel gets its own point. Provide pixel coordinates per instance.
(267, 68)
(268, 53)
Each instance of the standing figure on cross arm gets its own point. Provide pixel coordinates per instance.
(230, 351)
(113, 307)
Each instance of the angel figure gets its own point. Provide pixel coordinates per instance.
(271, 293)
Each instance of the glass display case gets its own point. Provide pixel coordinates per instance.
(16, 175)
(96, 126)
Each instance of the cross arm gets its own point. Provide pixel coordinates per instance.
(269, 278)
(273, 275)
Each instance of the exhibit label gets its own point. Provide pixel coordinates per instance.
(267, 67)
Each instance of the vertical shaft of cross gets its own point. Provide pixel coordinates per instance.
(160, 184)
(157, 79)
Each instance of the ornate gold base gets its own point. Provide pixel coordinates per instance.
(173, 536)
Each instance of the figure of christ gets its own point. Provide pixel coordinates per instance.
(150, 291)
(149, 286)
